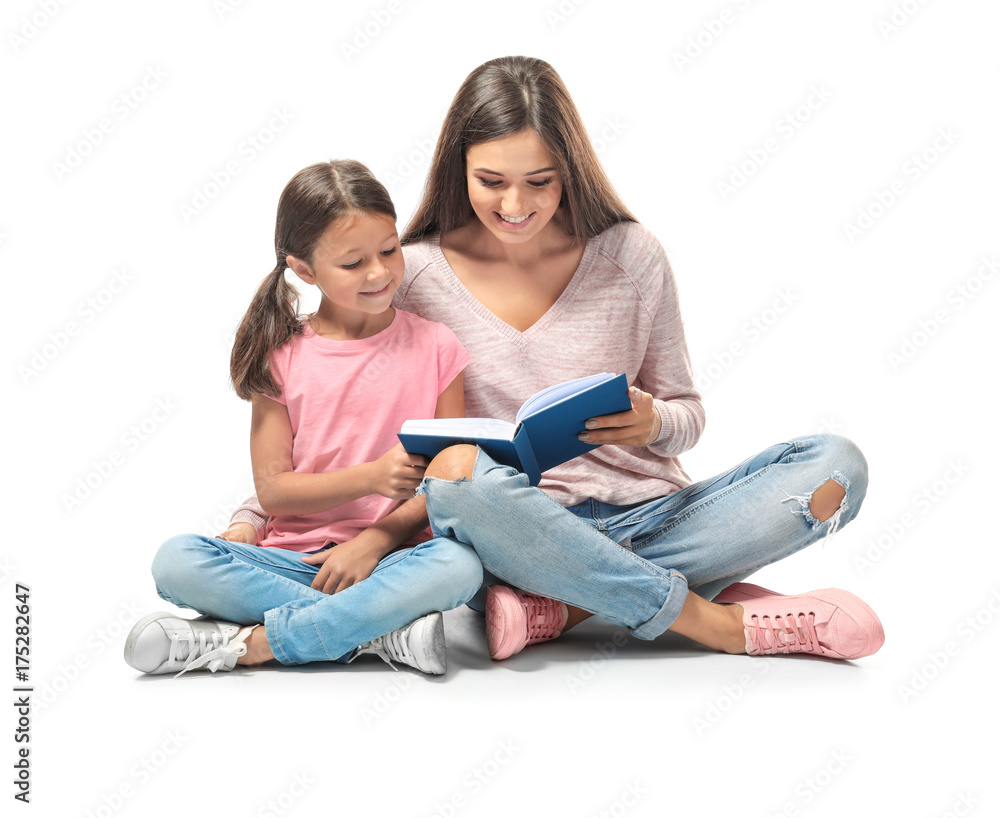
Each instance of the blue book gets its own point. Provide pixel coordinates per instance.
(544, 433)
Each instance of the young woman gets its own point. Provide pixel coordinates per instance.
(522, 247)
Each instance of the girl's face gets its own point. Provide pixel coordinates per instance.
(514, 186)
(357, 264)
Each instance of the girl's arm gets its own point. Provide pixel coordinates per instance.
(350, 562)
(250, 520)
(281, 491)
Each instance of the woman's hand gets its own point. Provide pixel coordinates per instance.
(640, 426)
(396, 474)
(344, 565)
(239, 532)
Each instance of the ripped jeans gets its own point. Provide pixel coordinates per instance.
(633, 565)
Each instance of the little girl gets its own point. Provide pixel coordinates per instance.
(344, 568)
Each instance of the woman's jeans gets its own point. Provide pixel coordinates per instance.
(633, 565)
(248, 584)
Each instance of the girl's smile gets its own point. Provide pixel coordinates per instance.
(381, 291)
(358, 266)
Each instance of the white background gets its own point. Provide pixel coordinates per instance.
(138, 390)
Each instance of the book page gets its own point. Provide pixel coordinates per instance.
(553, 394)
(487, 428)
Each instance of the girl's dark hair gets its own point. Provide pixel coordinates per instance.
(315, 198)
(503, 97)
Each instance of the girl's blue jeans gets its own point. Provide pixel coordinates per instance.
(633, 565)
(247, 584)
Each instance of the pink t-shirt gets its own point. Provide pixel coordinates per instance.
(346, 401)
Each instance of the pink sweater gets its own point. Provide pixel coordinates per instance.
(618, 314)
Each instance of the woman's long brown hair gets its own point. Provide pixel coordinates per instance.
(503, 97)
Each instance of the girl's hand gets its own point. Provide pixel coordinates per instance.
(343, 565)
(239, 532)
(397, 474)
(640, 426)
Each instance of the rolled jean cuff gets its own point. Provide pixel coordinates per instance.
(671, 609)
(271, 632)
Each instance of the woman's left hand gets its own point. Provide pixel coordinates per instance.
(640, 426)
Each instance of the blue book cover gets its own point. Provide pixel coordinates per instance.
(545, 430)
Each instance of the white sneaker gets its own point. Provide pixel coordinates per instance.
(419, 644)
(164, 643)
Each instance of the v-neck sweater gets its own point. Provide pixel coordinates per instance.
(619, 313)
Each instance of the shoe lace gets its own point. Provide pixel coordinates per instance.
(791, 633)
(198, 653)
(389, 646)
(543, 617)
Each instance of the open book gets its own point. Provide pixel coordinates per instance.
(544, 433)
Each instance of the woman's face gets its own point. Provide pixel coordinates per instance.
(514, 186)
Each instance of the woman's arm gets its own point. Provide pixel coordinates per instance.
(667, 414)
(281, 491)
(248, 523)
(666, 370)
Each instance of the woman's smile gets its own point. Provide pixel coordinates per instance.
(514, 186)
(514, 222)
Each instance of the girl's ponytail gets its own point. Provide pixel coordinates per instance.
(270, 321)
(315, 198)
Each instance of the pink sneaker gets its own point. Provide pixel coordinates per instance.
(830, 622)
(515, 619)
